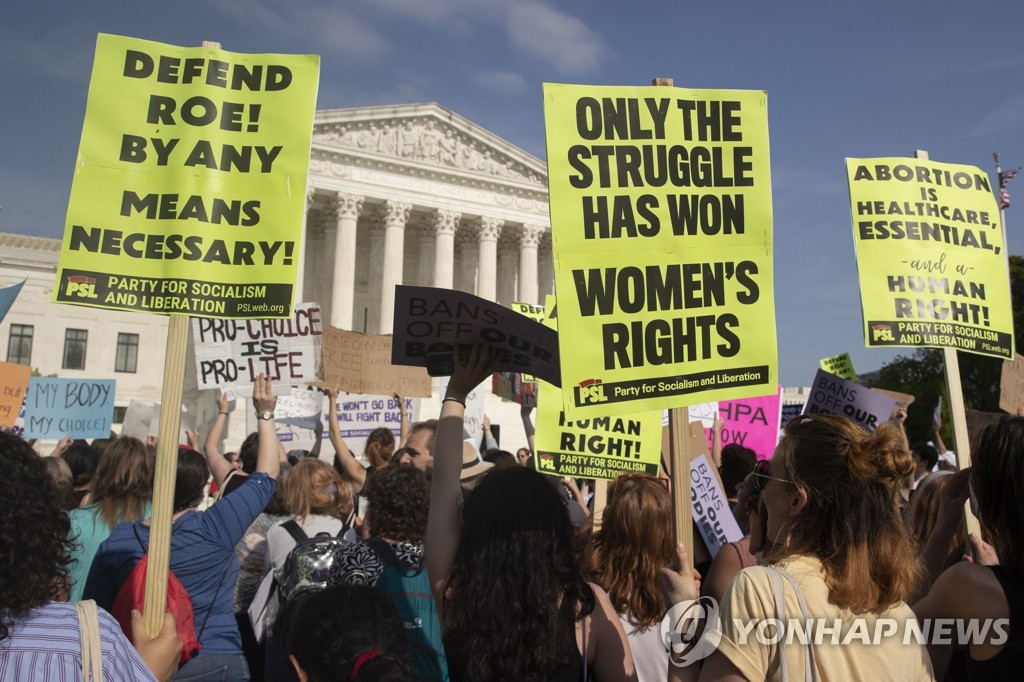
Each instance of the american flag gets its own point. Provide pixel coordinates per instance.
(1004, 179)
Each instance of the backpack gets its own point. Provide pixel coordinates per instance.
(306, 569)
(409, 591)
(132, 595)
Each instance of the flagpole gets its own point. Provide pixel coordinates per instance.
(1002, 211)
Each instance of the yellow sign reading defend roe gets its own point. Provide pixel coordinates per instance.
(661, 224)
(190, 183)
(930, 256)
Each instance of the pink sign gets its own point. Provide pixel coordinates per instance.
(752, 423)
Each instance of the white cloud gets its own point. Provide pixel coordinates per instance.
(326, 25)
(501, 82)
(1009, 116)
(563, 41)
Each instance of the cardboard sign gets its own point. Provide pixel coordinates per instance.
(903, 400)
(661, 225)
(361, 363)
(189, 188)
(752, 423)
(80, 408)
(1011, 385)
(232, 352)
(429, 320)
(977, 421)
(602, 447)
(711, 510)
(930, 256)
(301, 408)
(7, 296)
(186, 423)
(840, 365)
(13, 388)
(832, 395)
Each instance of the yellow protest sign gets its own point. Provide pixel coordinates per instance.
(598, 447)
(661, 223)
(190, 185)
(930, 256)
(840, 365)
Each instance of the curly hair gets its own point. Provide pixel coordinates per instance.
(399, 500)
(308, 491)
(634, 543)
(35, 547)
(514, 574)
(380, 445)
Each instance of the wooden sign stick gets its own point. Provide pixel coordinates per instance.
(957, 412)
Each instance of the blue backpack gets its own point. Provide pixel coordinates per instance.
(409, 591)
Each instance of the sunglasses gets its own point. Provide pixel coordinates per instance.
(761, 477)
(663, 481)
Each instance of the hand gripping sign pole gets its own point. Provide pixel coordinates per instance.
(957, 411)
(679, 449)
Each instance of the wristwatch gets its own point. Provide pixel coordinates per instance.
(265, 416)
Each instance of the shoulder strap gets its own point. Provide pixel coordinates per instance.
(779, 590)
(89, 634)
(295, 530)
(224, 484)
(385, 551)
(135, 529)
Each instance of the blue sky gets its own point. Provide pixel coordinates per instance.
(843, 79)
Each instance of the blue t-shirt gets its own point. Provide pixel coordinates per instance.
(88, 531)
(202, 557)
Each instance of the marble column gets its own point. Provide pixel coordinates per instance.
(396, 214)
(424, 229)
(508, 265)
(529, 239)
(343, 281)
(468, 258)
(547, 267)
(487, 238)
(300, 248)
(376, 227)
(444, 223)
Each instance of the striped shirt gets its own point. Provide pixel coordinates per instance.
(45, 645)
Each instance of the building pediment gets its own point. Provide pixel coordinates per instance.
(422, 139)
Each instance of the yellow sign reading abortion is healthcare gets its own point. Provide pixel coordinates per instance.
(661, 225)
(190, 185)
(930, 256)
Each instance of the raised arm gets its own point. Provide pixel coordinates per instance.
(264, 400)
(219, 466)
(403, 428)
(490, 442)
(444, 526)
(939, 445)
(346, 462)
(716, 441)
(524, 412)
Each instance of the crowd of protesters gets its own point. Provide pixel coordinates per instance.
(440, 560)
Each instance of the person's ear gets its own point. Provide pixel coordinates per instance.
(797, 501)
(303, 677)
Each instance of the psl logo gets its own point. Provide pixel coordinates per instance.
(82, 287)
(882, 332)
(590, 392)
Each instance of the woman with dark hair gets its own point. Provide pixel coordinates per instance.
(347, 632)
(514, 604)
(973, 592)
(83, 460)
(202, 552)
(39, 631)
(121, 490)
(626, 557)
(839, 552)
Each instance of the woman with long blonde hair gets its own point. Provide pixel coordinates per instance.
(121, 490)
(626, 556)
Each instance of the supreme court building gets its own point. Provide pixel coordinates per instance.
(416, 194)
(409, 194)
